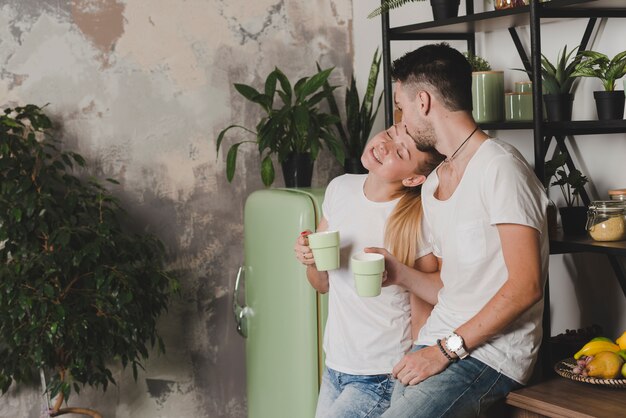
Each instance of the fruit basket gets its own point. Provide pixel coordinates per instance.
(564, 369)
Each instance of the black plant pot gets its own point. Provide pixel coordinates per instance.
(353, 165)
(297, 170)
(609, 104)
(445, 9)
(559, 106)
(574, 219)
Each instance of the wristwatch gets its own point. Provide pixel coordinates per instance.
(455, 343)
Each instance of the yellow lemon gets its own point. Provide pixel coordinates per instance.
(621, 341)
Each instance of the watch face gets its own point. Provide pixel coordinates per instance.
(454, 342)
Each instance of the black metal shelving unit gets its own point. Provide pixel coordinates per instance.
(531, 16)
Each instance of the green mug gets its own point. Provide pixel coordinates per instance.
(368, 273)
(325, 247)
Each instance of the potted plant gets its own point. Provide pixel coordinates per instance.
(571, 183)
(79, 292)
(294, 131)
(359, 117)
(557, 80)
(557, 83)
(609, 102)
(487, 90)
(442, 9)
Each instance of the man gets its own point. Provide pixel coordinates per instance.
(484, 215)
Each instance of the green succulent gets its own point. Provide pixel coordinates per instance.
(477, 63)
(598, 65)
(558, 79)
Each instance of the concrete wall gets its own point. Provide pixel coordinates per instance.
(583, 288)
(141, 88)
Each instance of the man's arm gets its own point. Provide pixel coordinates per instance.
(420, 309)
(425, 285)
(522, 289)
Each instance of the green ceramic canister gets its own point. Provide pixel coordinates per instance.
(488, 96)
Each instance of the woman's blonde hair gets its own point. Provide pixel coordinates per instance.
(403, 226)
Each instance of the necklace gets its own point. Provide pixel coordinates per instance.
(449, 159)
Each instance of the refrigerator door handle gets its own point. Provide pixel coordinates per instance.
(241, 312)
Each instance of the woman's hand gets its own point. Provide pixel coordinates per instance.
(393, 268)
(302, 249)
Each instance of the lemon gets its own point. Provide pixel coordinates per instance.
(621, 341)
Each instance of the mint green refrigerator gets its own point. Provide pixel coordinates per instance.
(278, 313)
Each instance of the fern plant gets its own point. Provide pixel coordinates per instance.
(389, 5)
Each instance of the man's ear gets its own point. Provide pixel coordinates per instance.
(414, 181)
(424, 101)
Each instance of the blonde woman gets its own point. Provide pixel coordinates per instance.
(365, 337)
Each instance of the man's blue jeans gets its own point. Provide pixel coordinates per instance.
(351, 396)
(465, 389)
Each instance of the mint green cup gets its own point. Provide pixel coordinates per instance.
(325, 247)
(368, 273)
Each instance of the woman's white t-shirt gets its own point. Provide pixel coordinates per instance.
(363, 335)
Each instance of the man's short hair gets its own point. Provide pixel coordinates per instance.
(440, 67)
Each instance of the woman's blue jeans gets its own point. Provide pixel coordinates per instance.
(465, 389)
(352, 396)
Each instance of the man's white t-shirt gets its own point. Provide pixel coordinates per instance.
(498, 187)
(363, 335)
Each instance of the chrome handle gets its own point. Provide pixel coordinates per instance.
(240, 312)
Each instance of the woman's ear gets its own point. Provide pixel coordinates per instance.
(414, 181)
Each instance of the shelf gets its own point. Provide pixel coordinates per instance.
(507, 18)
(585, 127)
(565, 245)
(561, 397)
(577, 127)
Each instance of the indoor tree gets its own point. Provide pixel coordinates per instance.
(79, 291)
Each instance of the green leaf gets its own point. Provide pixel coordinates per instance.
(312, 84)
(17, 214)
(267, 171)
(231, 161)
(247, 91)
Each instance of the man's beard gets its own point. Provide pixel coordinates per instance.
(424, 139)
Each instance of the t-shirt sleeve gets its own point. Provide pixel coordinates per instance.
(424, 240)
(329, 197)
(513, 194)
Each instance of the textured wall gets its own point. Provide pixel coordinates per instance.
(141, 88)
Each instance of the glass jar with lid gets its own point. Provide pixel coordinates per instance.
(606, 220)
(617, 194)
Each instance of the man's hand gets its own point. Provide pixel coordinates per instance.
(419, 365)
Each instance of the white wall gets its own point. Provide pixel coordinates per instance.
(583, 288)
